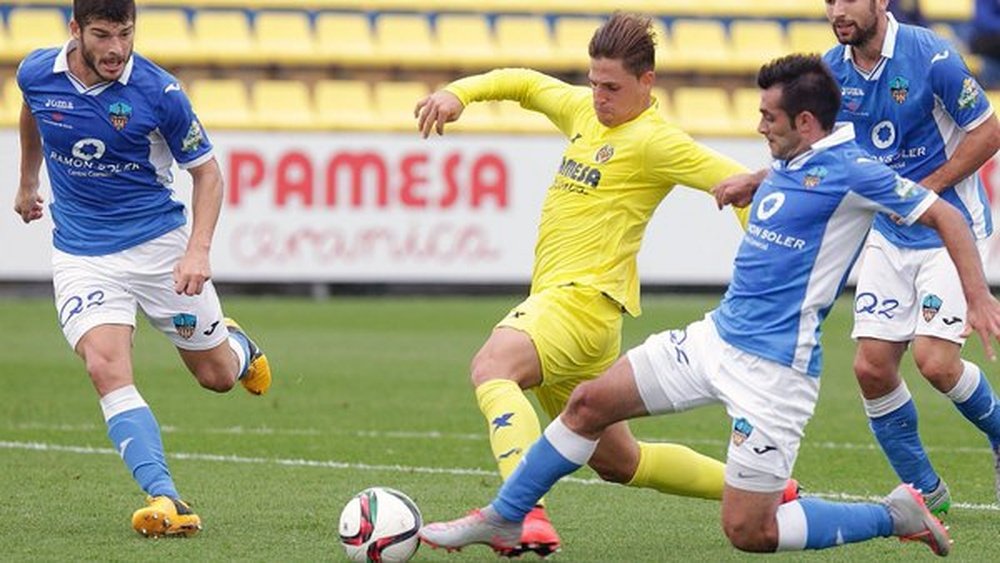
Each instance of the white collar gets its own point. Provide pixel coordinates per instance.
(888, 44)
(61, 63)
(842, 133)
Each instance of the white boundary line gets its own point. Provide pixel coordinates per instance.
(436, 435)
(331, 464)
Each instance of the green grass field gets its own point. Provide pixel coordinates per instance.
(375, 392)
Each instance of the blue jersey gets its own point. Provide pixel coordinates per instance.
(911, 112)
(807, 224)
(109, 149)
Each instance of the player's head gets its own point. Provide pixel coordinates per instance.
(799, 102)
(856, 22)
(621, 67)
(104, 30)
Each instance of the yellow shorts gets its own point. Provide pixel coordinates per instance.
(577, 334)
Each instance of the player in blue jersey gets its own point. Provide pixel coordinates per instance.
(916, 107)
(759, 352)
(109, 124)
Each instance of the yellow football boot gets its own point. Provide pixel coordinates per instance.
(164, 516)
(257, 379)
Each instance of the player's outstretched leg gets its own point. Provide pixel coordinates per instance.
(484, 526)
(255, 371)
(136, 436)
(912, 521)
(513, 427)
(165, 516)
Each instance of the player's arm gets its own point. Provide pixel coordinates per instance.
(983, 308)
(964, 100)
(738, 190)
(28, 202)
(678, 159)
(532, 89)
(978, 146)
(194, 267)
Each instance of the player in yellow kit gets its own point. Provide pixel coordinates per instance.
(622, 159)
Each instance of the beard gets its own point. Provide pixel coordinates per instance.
(90, 59)
(863, 34)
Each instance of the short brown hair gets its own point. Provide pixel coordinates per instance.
(116, 11)
(806, 85)
(628, 38)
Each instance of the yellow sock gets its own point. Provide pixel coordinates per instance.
(513, 424)
(678, 470)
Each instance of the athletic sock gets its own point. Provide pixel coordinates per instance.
(812, 523)
(136, 436)
(678, 470)
(974, 398)
(241, 347)
(513, 424)
(893, 420)
(559, 452)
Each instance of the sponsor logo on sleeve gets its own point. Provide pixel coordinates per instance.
(194, 137)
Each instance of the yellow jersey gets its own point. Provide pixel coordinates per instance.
(608, 184)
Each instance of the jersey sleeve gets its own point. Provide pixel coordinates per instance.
(674, 157)
(960, 94)
(188, 142)
(534, 90)
(28, 69)
(882, 189)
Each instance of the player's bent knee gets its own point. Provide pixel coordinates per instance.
(215, 378)
(942, 371)
(751, 537)
(582, 412)
(613, 471)
(868, 371)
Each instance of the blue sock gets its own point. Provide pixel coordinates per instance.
(822, 524)
(896, 432)
(242, 347)
(980, 408)
(136, 435)
(541, 467)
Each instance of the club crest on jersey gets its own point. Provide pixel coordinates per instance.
(119, 112)
(193, 138)
(185, 323)
(899, 87)
(741, 431)
(604, 154)
(930, 306)
(814, 176)
(970, 94)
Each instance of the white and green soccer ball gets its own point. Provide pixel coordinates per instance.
(380, 524)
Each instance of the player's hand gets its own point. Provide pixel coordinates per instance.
(28, 204)
(191, 273)
(984, 318)
(736, 190)
(435, 110)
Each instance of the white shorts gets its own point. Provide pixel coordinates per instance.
(769, 403)
(903, 293)
(98, 290)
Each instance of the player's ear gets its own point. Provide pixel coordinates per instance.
(74, 28)
(804, 119)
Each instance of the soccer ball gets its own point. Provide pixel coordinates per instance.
(380, 524)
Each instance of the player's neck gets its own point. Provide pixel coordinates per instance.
(81, 70)
(869, 54)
